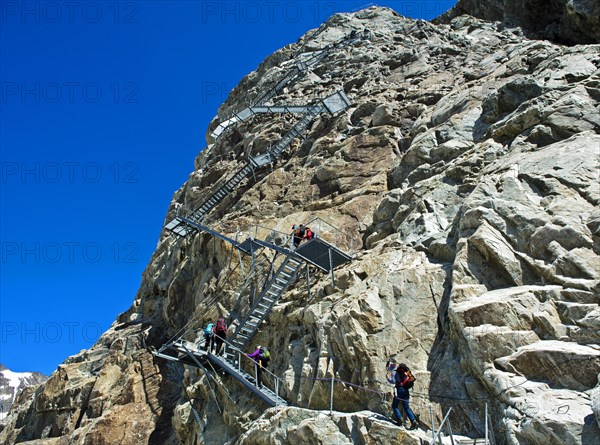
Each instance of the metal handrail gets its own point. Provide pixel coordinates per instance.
(268, 234)
(240, 354)
(317, 226)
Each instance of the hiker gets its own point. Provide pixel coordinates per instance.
(404, 381)
(220, 335)
(261, 357)
(308, 234)
(208, 337)
(297, 234)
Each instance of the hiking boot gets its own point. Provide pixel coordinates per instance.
(413, 425)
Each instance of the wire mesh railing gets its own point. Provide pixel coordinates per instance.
(334, 236)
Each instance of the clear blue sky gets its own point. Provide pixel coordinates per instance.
(104, 106)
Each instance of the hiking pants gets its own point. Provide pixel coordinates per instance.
(258, 370)
(208, 344)
(402, 396)
(218, 344)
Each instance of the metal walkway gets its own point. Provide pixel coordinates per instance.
(189, 354)
(247, 113)
(333, 104)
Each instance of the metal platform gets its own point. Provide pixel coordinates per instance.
(322, 254)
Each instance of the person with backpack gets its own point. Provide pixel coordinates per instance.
(308, 234)
(297, 235)
(261, 357)
(404, 380)
(208, 337)
(220, 335)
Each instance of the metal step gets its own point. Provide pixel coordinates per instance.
(269, 295)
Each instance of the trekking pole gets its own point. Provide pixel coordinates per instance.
(331, 398)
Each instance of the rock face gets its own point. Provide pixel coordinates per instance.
(465, 178)
(562, 21)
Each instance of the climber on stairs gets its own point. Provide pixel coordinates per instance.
(208, 332)
(261, 357)
(297, 234)
(301, 233)
(308, 234)
(220, 335)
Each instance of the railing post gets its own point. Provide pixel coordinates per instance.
(432, 424)
(331, 268)
(486, 424)
(438, 434)
(331, 397)
(239, 362)
(308, 280)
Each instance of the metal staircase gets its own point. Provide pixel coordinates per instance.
(332, 104)
(299, 70)
(266, 300)
(189, 354)
(318, 252)
(302, 66)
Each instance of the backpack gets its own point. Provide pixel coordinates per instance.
(221, 327)
(208, 330)
(404, 377)
(411, 379)
(265, 356)
(308, 234)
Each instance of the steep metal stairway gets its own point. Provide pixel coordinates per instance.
(266, 300)
(302, 66)
(243, 246)
(188, 353)
(181, 225)
(332, 104)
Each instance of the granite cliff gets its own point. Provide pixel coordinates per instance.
(466, 178)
